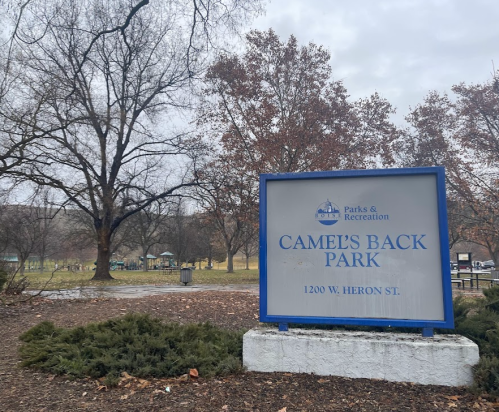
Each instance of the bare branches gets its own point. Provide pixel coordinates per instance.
(100, 78)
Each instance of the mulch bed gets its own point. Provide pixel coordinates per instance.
(30, 390)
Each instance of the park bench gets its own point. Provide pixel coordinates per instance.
(459, 282)
(474, 279)
(471, 280)
(168, 270)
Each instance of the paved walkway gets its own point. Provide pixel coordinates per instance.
(137, 291)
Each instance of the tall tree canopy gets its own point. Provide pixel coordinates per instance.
(461, 132)
(93, 79)
(277, 110)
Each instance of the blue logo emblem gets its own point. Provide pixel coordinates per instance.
(327, 213)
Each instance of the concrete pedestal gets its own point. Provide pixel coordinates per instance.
(441, 360)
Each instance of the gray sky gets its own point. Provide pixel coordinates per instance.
(400, 48)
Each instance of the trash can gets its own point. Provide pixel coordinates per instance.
(185, 276)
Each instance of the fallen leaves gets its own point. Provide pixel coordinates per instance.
(276, 392)
(143, 383)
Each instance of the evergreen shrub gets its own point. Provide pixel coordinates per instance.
(478, 320)
(137, 344)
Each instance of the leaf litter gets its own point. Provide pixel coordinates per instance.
(30, 390)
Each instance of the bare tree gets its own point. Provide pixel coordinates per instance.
(49, 239)
(21, 225)
(231, 201)
(251, 245)
(208, 243)
(462, 134)
(95, 79)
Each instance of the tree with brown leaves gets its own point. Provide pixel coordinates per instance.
(462, 134)
(276, 110)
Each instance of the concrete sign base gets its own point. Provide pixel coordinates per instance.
(402, 357)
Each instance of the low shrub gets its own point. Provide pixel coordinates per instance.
(486, 376)
(136, 344)
(16, 285)
(4, 276)
(492, 298)
(478, 320)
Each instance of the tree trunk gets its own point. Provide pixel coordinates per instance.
(146, 262)
(103, 255)
(247, 262)
(22, 262)
(495, 258)
(230, 262)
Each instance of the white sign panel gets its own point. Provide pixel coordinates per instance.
(358, 245)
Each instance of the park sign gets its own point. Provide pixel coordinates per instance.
(357, 247)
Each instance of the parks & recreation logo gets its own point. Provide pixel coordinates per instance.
(327, 213)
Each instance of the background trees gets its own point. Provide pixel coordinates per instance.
(30, 231)
(275, 109)
(461, 132)
(230, 201)
(179, 233)
(477, 133)
(93, 79)
(90, 91)
(147, 228)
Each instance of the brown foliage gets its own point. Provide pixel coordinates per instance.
(462, 134)
(276, 110)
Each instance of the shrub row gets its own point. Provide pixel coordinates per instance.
(136, 344)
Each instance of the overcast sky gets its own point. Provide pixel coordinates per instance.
(400, 48)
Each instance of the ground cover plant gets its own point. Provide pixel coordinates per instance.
(137, 344)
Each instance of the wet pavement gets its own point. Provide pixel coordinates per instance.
(138, 291)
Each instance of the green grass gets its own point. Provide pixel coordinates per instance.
(70, 280)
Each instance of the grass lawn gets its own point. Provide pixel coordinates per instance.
(69, 280)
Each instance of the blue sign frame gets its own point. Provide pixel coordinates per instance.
(439, 173)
